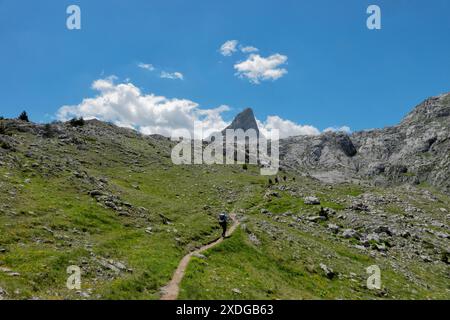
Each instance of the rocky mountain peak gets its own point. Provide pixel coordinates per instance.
(244, 120)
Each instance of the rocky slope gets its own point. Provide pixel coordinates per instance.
(415, 151)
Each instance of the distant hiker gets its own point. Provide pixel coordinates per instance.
(323, 212)
(223, 218)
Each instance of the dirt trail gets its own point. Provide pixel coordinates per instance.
(170, 291)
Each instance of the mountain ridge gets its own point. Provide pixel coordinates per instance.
(417, 150)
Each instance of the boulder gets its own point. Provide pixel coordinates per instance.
(350, 233)
(333, 228)
(329, 273)
(311, 200)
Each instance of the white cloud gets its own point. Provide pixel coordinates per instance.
(126, 105)
(229, 47)
(163, 74)
(257, 68)
(248, 49)
(172, 75)
(286, 128)
(146, 66)
(345, 129)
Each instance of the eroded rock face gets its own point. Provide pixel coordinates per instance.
(417, 150)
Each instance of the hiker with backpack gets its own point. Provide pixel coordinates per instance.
(223, 219)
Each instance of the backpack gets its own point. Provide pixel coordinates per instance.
(222, 217)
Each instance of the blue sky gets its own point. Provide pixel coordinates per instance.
(338, 72)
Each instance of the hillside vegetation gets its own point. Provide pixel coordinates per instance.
(110, 201)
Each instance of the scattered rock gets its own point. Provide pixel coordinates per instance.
(253, 239)
(316, 218)
(3, 293)
(269, 194)
(83, 294)
(333, 228)
(359, 206)
(373, 237)
(405, 234)
(78, 175)
(384, 229)
(9, 272)
(329, 273)
(311, 200)
(350, 233)
(116, 266)
(95, 193)
(442, 235)
(327, 212)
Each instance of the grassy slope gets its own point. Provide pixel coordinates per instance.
(50, 222)
(287, 266)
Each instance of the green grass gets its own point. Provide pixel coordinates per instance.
(49, 222)
(60, 203)
(290, 270)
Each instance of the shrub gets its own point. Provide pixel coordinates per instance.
(77, 122)
(244, 166)
(5, 145)
(24, 117)
(48, 131)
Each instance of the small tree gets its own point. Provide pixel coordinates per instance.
(24, 116)
(77, 122)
